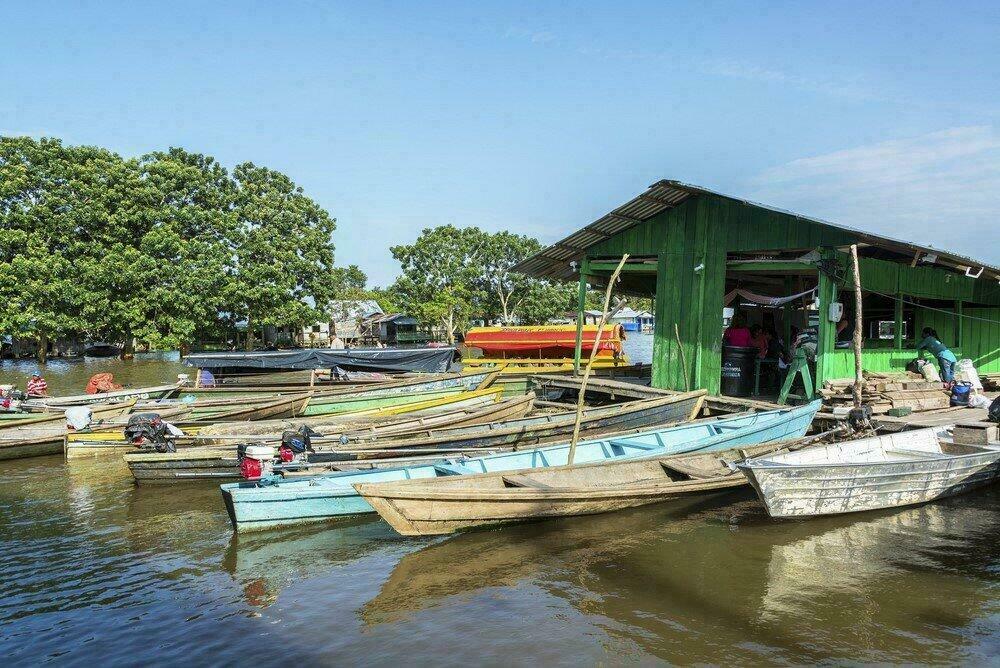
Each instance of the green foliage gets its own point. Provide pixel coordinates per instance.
(451, 275)
(283, 248)
(168, 247)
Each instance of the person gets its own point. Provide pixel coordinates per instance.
(808, 341)
(336, 343)
(37, 387)
(946, 359)
(775, 346)
(759, 339)
(845, 333)
(737, 334)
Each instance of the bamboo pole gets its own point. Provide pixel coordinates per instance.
(858, 326)
(590, 362)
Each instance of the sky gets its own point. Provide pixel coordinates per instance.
(539, 117)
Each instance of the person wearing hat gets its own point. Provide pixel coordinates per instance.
(37, 387)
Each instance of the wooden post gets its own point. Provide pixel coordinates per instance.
(197, 378)
(581, 304)
(897, 336)
(858, 326)
(959, 329)
(827, 289)
(590, 362)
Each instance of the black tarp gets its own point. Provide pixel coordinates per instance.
(431, 360)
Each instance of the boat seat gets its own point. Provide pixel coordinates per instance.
(454, 469)
(633, 444)
(914, 454)
(523, 481)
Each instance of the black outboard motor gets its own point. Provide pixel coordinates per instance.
(295, 444)
(148, 431)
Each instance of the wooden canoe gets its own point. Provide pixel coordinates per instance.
(218, 462)
(47, 438)
(93, 442)
(318, 498)
(891, 471)
(448, 503)
(528, 432)
(154, 392)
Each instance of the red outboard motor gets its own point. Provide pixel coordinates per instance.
(256, 461)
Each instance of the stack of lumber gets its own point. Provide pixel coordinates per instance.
(887, 391)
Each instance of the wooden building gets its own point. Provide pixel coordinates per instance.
(690, 247)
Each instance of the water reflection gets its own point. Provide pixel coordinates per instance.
(718, 580)
(265, 563)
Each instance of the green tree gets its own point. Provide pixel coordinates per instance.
(440, 274)
(283, 251)
(52, 198)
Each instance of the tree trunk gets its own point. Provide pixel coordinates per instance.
(185, 349)
(128, 348)
(249, 340)
(43, 348)
(451, 327)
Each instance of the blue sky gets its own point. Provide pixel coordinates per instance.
(539, 117)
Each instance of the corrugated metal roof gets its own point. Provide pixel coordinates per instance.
(554, 262)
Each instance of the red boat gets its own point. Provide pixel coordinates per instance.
(546, 341)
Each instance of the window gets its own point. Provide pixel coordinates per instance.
(886, 329)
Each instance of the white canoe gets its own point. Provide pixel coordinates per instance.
(154, 392)
(868, 474)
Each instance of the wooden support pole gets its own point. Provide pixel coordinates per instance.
(827, 330)
(590, 362)
(897, 335)
(959, 328)
(581, 304)
(858, 326)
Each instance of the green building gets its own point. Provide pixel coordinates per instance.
(690, 248)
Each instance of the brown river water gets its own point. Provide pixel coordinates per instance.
(97, 570)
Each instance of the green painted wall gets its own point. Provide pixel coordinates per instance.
(981, 340)
(703, 229)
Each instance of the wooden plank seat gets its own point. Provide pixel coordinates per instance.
(452, 468)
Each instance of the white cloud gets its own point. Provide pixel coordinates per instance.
(940, 189)
(533, 36)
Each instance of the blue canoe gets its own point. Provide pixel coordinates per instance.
(255, 506)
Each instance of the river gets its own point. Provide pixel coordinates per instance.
(97, 570)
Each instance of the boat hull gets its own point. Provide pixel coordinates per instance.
(254, 507)
(833, 489)
(417, 508)
(437, 514)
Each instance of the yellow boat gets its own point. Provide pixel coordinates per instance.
(523, 365)
(96, 442)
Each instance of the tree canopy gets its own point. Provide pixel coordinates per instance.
(452, 275)
(168, 248)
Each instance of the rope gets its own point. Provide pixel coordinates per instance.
(931, 308)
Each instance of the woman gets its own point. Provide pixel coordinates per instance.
(946, 359)
(737, 334)
(759, 340)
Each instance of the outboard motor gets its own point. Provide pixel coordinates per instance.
(148, 431)
(256, 461)
(295, 444)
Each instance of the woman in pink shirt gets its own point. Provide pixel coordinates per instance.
(737, 334)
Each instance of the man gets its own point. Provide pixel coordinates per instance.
(37, 387)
